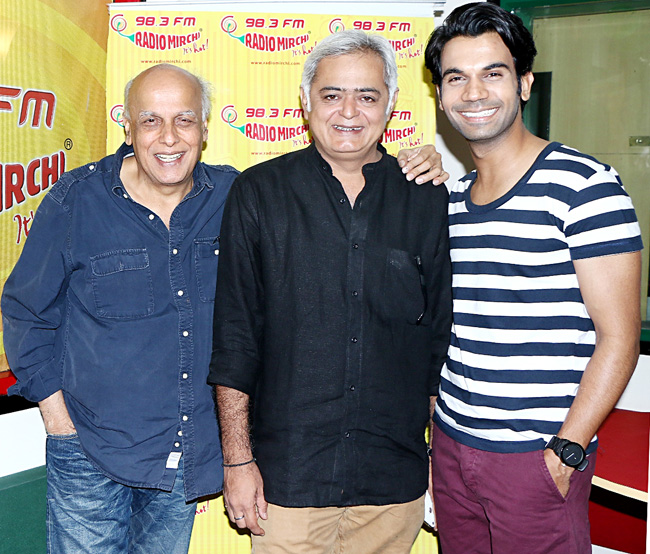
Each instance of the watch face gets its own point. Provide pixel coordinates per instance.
(572, 454)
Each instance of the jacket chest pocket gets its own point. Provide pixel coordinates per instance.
(122, 284)
(206, 262)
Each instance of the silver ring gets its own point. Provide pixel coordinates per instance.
(238, 518)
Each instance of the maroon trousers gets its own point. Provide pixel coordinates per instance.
(492, 503)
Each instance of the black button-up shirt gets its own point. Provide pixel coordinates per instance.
(336, 321)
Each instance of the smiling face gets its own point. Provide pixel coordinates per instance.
(479, 91)
(165, 127)
(349, 107)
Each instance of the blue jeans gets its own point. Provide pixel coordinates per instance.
(89, 513)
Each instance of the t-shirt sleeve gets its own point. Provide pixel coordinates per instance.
(601, 220)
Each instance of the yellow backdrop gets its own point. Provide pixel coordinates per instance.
(255, 63)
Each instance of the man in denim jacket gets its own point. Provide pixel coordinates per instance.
(107, 322)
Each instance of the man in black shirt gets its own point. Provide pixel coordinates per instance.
(332, 313)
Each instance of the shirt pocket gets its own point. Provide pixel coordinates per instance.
(206, 262)
(122, 284)
(404, 297)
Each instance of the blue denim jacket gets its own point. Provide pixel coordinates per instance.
(115, 309)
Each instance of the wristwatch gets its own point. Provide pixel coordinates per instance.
(571, 454)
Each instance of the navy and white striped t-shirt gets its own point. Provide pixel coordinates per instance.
(521, 336)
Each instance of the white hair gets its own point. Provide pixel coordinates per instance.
(350, 42)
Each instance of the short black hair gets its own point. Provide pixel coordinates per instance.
(473, 20)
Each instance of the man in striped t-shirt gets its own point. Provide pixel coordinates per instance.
(546, 276)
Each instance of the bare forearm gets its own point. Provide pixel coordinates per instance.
(55, 415)
(432, 407)
(602, 384)
(610, 287)
(432, 404)
(243, 487)
(234, 424)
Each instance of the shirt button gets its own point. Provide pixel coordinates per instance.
(180, 433)
(91, 167)
(342, 201)
(216, 252)
(125, 195)
(185, 375)
(177, 444)
(355, 246)
(347, 435)
(180, 293)
(355, 293)
(151, 217)
(354, 339)
(175, 251)
(185, 418)
(186, 333)
(352, 388)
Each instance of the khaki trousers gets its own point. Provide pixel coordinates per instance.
(390, 529)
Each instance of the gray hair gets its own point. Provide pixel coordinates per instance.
(351, 41)
(204, 86)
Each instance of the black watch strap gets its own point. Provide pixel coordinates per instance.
(556, 444)
(562, 446)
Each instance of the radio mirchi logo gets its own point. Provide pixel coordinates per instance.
(263, 132)
(270, 40)
(154, 40)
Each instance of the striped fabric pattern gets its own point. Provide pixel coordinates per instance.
(521, 336)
